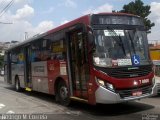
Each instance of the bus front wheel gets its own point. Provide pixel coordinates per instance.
(63, 94)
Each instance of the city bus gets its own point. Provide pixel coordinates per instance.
(97, 58)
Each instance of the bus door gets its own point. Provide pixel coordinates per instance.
(78, 63)
(27, 67)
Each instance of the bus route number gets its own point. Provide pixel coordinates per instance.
(144, 81)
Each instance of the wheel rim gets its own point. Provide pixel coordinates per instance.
(63, 92)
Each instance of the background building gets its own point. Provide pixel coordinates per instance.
(5, 45)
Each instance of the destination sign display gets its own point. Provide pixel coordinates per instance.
(117, 19)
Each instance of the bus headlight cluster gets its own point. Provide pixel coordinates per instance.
(105, 84)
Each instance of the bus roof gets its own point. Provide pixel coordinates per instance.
(115, 13)
(84, 19)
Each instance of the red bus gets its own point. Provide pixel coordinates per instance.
(97, 58)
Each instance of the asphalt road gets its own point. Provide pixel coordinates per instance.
(27, 103)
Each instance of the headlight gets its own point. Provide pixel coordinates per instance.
(110, 86)
(105, 84)
(101, 82)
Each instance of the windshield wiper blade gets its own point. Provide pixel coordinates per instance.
(122, 45)
(130, 38)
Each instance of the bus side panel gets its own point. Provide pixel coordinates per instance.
(14, 69)
(39, 76)
(18, 69)
(20, 73)
(53, 73)
(56, 69)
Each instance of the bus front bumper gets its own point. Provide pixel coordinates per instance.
(106, 96)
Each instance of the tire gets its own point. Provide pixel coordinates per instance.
(63, 94)
(17, 85)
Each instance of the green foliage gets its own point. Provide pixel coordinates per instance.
(138, 8)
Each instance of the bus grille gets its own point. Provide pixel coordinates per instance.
(128, 93)
(126, 72)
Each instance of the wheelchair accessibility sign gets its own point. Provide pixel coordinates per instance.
(135, 60)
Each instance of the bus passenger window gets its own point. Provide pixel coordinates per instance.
(58, 50)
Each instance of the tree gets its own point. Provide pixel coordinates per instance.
(138, 8)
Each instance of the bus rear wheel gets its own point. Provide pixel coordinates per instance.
(17, 84)
(63, 94)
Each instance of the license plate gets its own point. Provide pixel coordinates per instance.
(137, 93)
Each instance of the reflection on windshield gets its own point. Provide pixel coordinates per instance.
(121, 45)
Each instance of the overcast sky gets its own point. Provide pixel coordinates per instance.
(37, 16)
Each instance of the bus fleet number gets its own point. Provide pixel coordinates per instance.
(144, 81)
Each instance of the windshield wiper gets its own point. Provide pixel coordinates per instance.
(122, 45)
(132, 44)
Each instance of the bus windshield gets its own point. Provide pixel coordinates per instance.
(117, 47)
